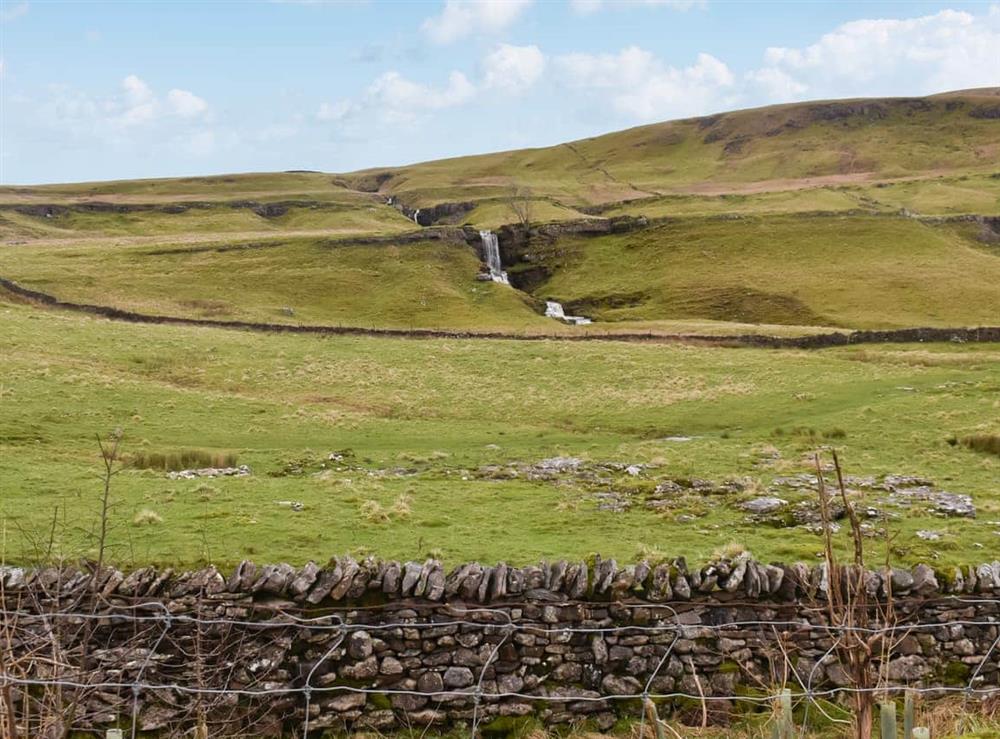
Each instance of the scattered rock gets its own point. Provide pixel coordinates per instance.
(559, 464)
(764, 505)
(241, 471)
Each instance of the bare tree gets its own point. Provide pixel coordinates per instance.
(521, 204)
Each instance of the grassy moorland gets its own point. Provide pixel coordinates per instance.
(791, 270)
(219, 188)
(777, 148)
(857, 271)
(935, 196)
(311, 281)
(425, 420)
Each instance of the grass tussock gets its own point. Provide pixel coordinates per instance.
(184, 459)
(811, 434)
(147, 517)
(986, 443)
(401, 508)
(730, 551)
(650, 553)
(372, 511)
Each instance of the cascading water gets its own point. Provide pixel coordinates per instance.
(491, 255)
(555, 310)
(416, 216)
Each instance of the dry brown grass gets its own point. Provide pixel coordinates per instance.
(987, 443)
(923, 357)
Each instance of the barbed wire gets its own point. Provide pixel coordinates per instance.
(492, 622)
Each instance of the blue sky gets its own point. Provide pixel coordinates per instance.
(112, 90)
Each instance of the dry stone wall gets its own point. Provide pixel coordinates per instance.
(990, 334)
(379, 645)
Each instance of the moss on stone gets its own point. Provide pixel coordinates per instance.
(509, 727)
(955, 673)
(380, 701)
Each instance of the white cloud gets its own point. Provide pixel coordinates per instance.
(186, 104)
(12, 12)
(399, 99)
(512, 68)
(913, 56)
(586, 7)
(120, 116)
(642, 87)
(140, 106)
(136, 91)
(460, 18)
(944, 51)
(393, 99)
(775, 84)
(337, 111)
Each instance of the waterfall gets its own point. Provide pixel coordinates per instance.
(416, 216)
(491, 255)
(555, 310)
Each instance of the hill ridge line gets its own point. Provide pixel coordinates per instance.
(816, 341)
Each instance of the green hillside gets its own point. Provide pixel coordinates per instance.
(781, 147)
(424, 284)
(793, 218)
(852, 271)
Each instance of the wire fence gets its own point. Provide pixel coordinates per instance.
(145, 667)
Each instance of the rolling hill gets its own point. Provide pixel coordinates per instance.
(844, 214)
(801, 145)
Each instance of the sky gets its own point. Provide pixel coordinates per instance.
(130, 89)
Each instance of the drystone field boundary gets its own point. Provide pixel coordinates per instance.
(816, 341)
(295, 651)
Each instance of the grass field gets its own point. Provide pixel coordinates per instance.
(778, 270)
(783, 221)
(428, 284)
(422, 418)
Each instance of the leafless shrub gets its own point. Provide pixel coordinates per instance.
(852, 610)
(520, 202)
